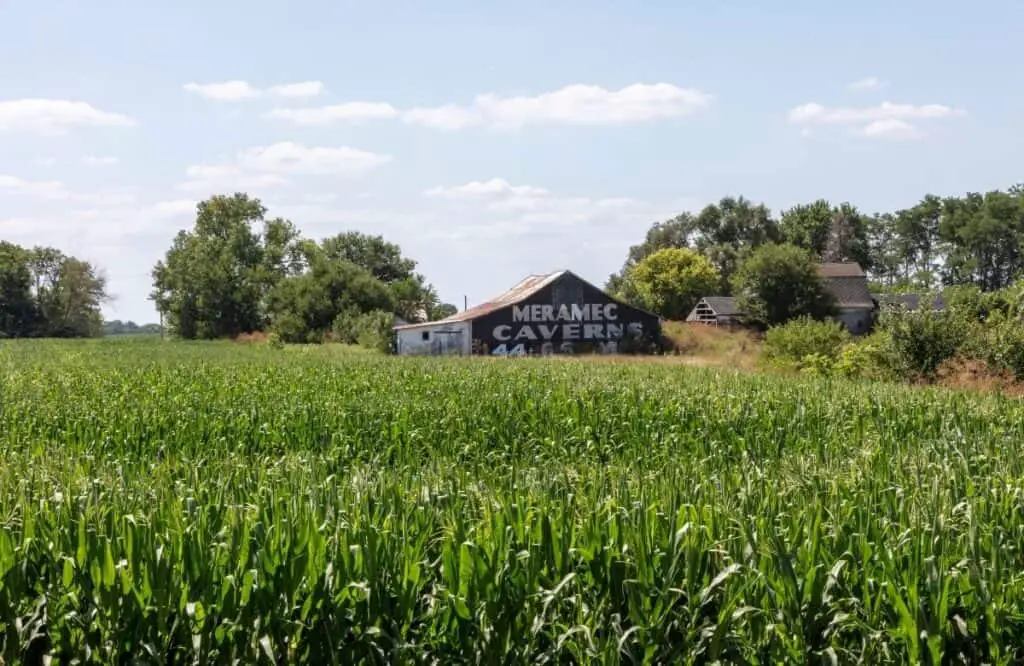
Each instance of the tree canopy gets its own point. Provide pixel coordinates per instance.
(972, 240)
(45, 293)
(781, 282)
(671, 280)
(238, 272)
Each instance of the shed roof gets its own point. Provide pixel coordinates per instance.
(722, 305)
(840, 269)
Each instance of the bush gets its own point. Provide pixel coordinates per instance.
(1002, 347)
(797, 339)
(920, 342)
(374, 330)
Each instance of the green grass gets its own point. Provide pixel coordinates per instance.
(225, 503)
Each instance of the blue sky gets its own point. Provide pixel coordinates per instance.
(490, 140)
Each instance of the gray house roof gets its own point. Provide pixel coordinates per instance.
(848, 284)
(909, 301)
(722, 305)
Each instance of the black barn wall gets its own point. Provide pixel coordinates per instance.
(568, 316)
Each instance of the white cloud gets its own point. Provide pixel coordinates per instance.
(478, 189)
(574, 104)
(890, 128)
(447, 117)
(226, 91)
(817, 114)
(324, 115)
(301, 89)
(294, 158)
(236, 91)
(884, 120)
(868, 83)
(99, 161)
(268, 166)
(43, 189)
(55, 116)
(519, 209)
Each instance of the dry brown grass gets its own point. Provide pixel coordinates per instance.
(258, 336)
(972, 375)
(711, 345)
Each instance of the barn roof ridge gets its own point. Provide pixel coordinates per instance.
(518, 293)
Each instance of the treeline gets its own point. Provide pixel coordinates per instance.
(238, 272)
(45, 293)
(118, 327)
(973, 240)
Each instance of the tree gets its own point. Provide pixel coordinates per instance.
(780, 282)
(70, 304)
(44, 292)
(304, 308)
(214, 279)
(833, 233)
(18, 311)
(671, 281)
(442, 311)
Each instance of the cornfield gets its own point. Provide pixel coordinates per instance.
(182, 503)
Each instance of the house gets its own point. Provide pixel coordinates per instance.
(848, 284)
(715, 310)
(845, 281)
(554, 313)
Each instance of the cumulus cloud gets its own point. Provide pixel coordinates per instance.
(867, 83)
(574, 104)
(56, 116)
(44, 189)
(270, 166)
(485, 189)
(237, 90)
(301, 89)
(890, 128)
(325, 115)
(887, 119)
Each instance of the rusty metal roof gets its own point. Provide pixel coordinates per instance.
(527, 287)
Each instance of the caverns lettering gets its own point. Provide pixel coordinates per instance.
(595, 322)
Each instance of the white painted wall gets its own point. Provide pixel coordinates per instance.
(435, 339)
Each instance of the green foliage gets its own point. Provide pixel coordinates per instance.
(799, 338)
(920, 341)
(374, 330)
(669, 282)
(975, 239)
(777, 283)
(223, 278)
(45, 293)
(223, 503)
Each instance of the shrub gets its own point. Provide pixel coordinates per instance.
(802, 337)
(921, 341)
(1002, 346)
(373, 330)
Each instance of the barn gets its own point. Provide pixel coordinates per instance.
(556, 313)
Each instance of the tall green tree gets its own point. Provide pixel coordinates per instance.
(213, 281)
(69, 302)
(18, 310)
(777, 283)
(672, 280)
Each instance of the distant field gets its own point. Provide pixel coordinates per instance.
(229, 503)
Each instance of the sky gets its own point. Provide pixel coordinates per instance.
(489, 140)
